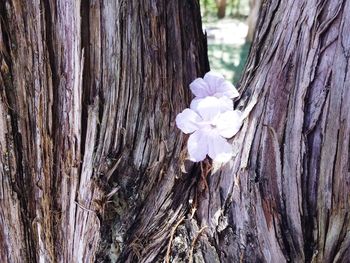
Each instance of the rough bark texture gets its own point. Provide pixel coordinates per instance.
(285, 196)
(89, 151)
(92, 167)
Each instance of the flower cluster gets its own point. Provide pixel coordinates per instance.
(210, 119)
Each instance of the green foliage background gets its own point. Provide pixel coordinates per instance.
(234, 9)
(226, 58)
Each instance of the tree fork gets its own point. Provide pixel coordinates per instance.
(92, 166)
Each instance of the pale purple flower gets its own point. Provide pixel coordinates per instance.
(210, 123)
(213, 84)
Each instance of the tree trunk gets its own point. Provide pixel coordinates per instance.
(285, 197)
(254, 6)
(89, 93)
(221, 5)
(93, 168)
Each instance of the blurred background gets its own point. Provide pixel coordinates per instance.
(230, 26)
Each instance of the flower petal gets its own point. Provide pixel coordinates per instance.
(197, 146)
(208, 108)
(187, 121)
(200, 88)
(226, 89)
(226, 104)
(229, 123)
(194, 103)
(214, 80)
(218, 148)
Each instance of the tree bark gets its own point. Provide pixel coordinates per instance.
(285, 196)
(93, 169)
(89, 93)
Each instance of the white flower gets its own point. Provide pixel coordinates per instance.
(210, 124)
(213, 84)
(210, 118)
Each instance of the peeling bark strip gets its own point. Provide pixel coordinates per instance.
(89, 93)
(90, 159)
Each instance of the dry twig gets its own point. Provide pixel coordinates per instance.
(167, 255)
(194, 243)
